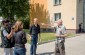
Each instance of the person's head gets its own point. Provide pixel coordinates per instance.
(59, 22)
(35, 21)
(18, 26)
(5, 22)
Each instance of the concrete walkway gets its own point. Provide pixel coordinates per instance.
(74, 46)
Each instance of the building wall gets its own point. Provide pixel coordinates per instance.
(79, 13)
(84, 14)
(68, 12)
(71, 12)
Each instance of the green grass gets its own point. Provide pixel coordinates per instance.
(26, 30)
(45, 37)
(71, 35)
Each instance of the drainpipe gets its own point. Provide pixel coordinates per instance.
(83, 14)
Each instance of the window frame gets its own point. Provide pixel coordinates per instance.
(57, 14)
(57, 2)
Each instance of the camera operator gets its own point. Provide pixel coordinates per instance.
(6, 36)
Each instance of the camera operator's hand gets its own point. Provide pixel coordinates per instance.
(12, 31)
(10, 34)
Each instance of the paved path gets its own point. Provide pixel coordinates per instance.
(74, 46)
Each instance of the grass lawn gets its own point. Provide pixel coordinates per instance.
(26, 30)
(45, 37)
(71, 35)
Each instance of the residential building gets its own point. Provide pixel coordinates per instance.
(70, 11)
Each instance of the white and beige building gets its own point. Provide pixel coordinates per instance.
(72, 12)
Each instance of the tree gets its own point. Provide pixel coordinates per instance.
(11, 8)
(38, 11)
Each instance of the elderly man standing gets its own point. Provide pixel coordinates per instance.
(60, 34)
(34, 33)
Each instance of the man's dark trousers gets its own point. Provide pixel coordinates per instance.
(34, 41)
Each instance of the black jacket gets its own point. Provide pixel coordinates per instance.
(6, 43)
(34, 30)
(19, 39)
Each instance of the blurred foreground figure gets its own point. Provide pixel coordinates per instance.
(19, 39)
(6, 36)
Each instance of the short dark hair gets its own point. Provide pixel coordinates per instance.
(5, 21)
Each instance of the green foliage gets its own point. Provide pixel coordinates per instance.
(38, 11)
(26, 23)
(10, 8)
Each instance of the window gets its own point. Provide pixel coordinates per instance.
(57, 2)
(57, 16)
(80, 1)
